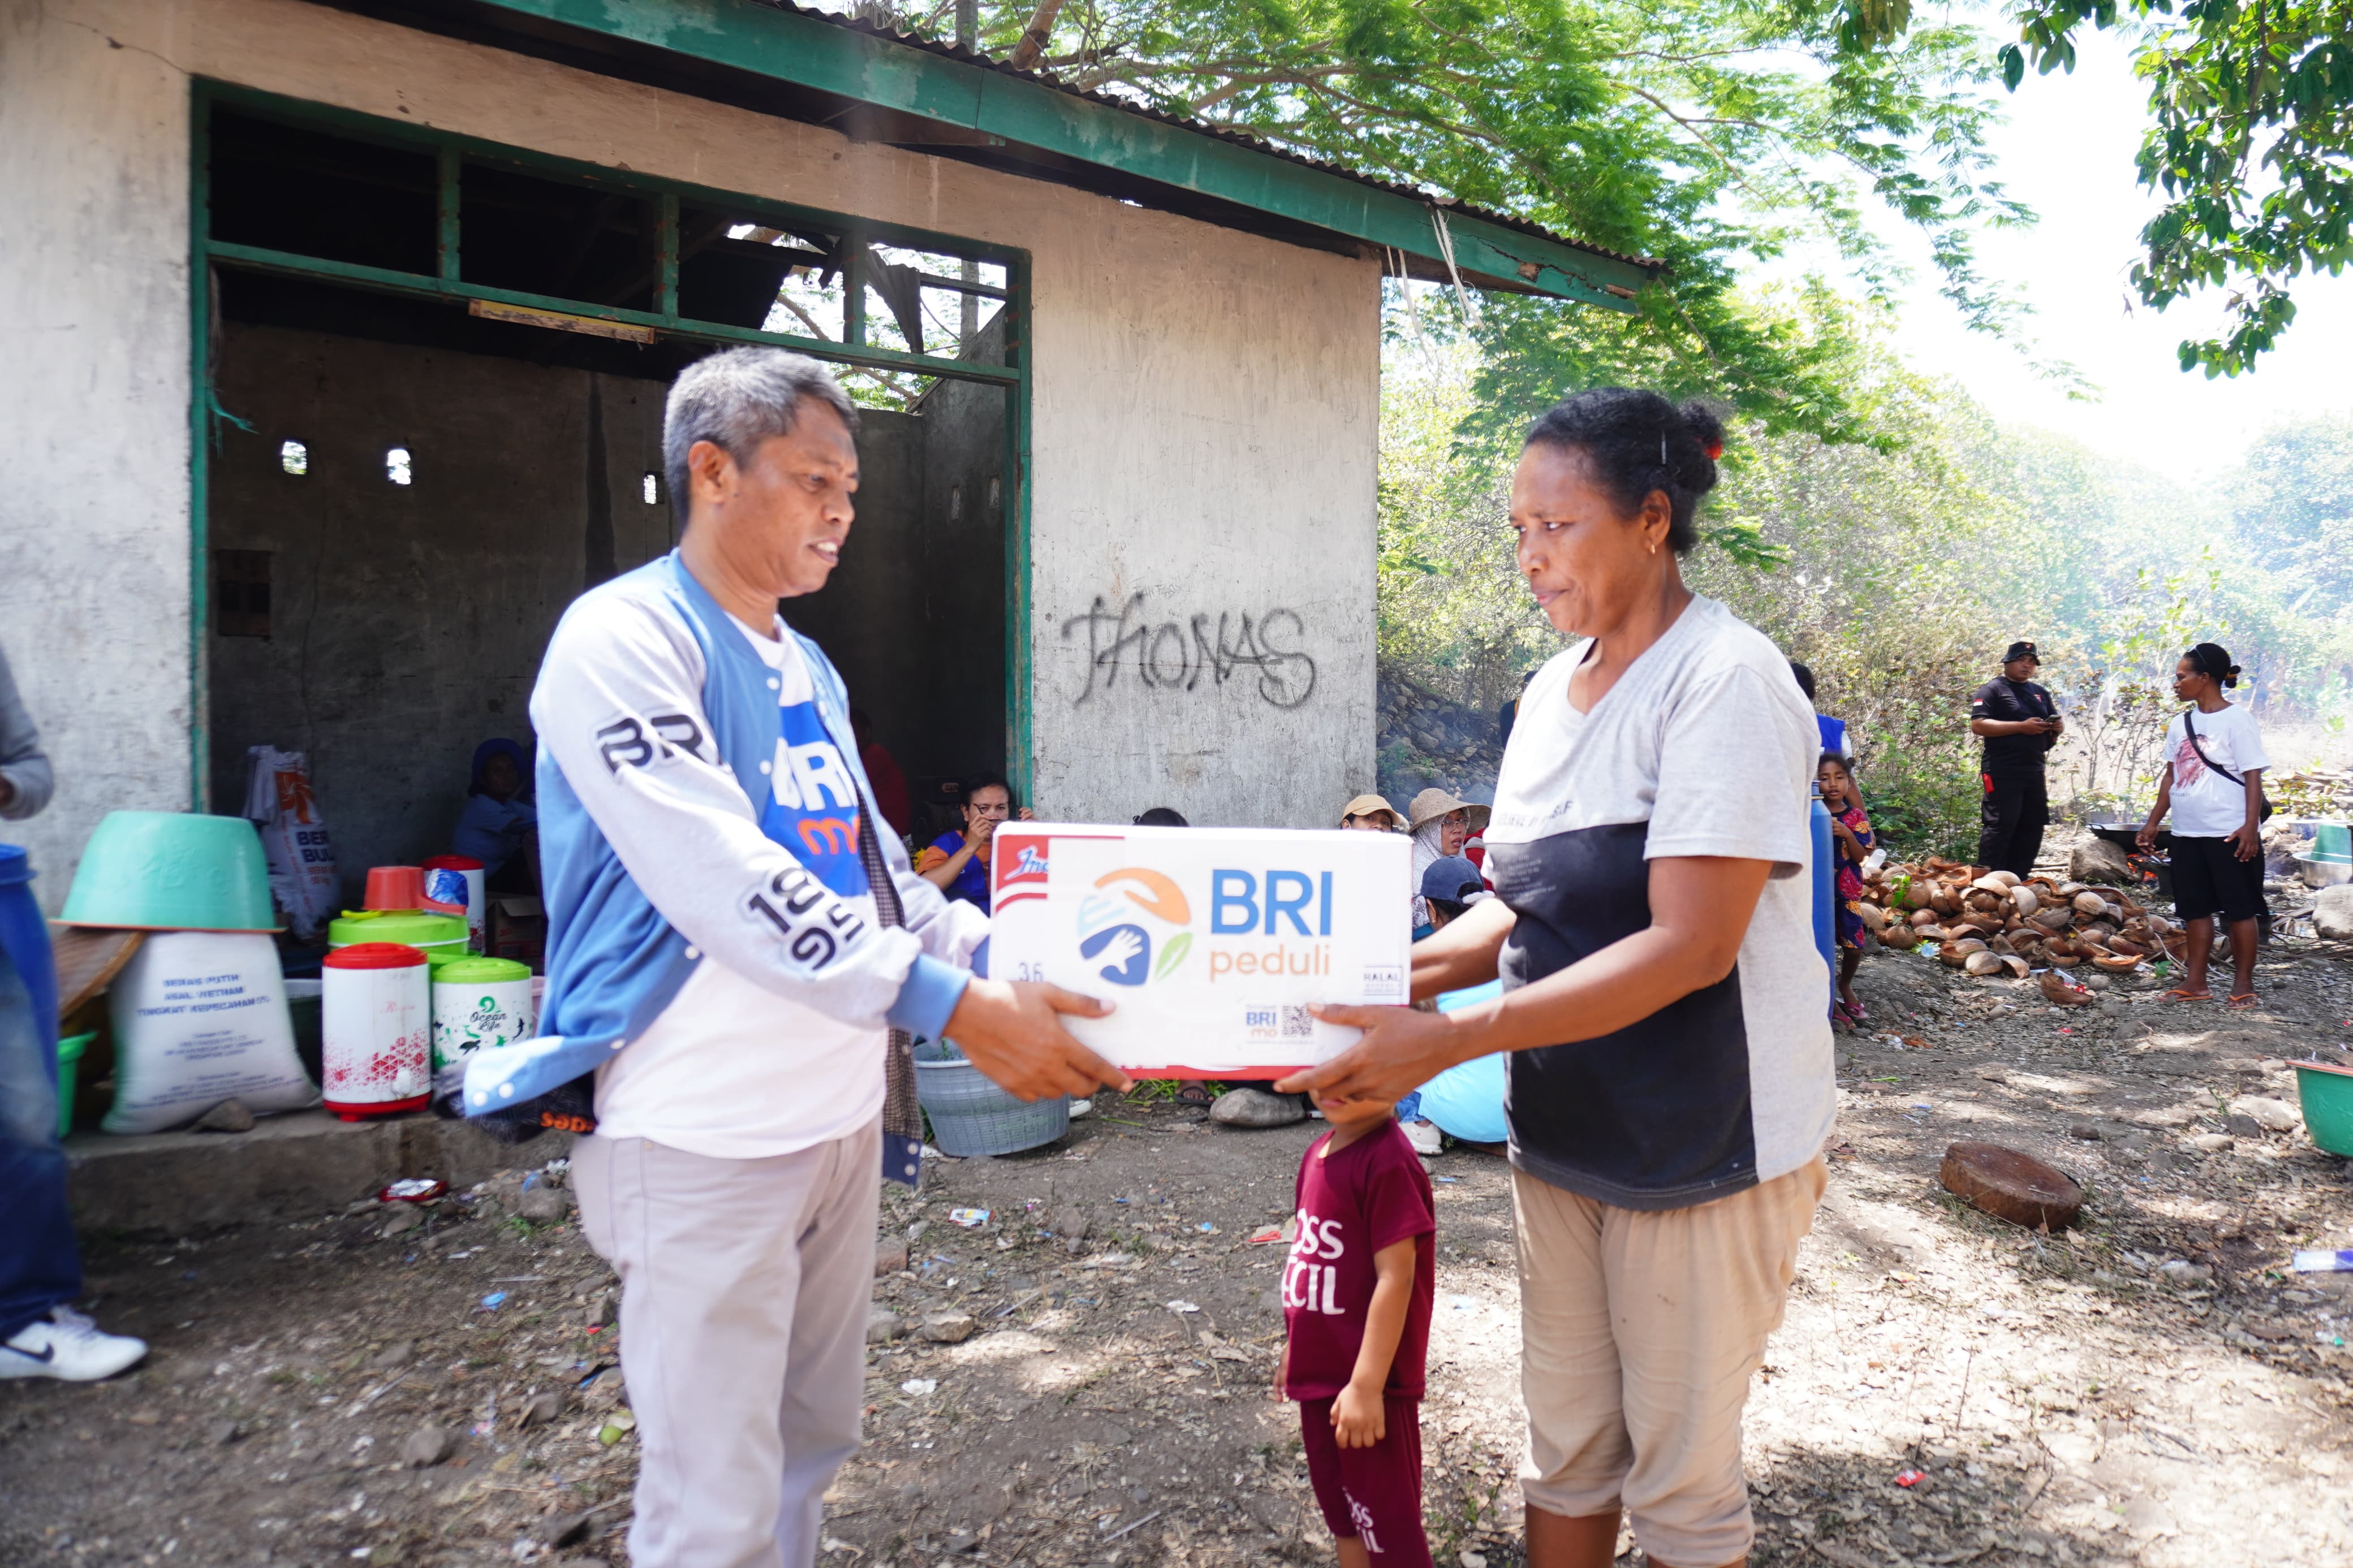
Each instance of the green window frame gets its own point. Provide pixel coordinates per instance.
(452, 151)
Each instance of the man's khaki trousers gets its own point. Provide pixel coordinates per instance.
(744, 1289)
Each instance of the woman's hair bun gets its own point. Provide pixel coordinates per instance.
(1636, 442)
(2214, 659)
(1704, 426)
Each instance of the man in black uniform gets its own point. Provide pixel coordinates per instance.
(2019, 723)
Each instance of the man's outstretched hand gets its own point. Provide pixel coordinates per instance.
(1012, 1031)
(1400, 1051)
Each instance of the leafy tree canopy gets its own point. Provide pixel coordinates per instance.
(2250, 144)
(1708, 134)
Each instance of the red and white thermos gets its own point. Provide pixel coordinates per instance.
(375, 1016)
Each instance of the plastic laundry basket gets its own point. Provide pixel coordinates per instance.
(69, 1050)
(970, 1115)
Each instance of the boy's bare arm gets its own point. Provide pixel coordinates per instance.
(1357, 1414)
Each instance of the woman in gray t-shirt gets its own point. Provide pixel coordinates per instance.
(1671, 1079)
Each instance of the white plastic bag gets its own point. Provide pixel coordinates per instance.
(200, 1017)
(279, 799)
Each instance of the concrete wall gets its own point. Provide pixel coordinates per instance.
(407, 621)
(1202, 429)
(94, 398)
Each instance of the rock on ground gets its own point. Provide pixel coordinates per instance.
(1256, 1108)
(427, 1446)
(229, 1116)
(2332, 912)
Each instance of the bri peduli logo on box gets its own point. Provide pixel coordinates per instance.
(1136, 926)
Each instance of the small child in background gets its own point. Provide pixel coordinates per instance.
(1356, 1294)
(1851, 830)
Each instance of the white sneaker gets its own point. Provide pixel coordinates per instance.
(69, 1346)
(1425, 1137)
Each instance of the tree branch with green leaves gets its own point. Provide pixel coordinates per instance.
(2250, 144)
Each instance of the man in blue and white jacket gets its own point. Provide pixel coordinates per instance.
(738, 954)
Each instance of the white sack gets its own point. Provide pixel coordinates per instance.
(200, 1017)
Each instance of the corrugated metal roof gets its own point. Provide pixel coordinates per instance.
(1204, 128)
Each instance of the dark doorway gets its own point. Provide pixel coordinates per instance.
(422, 493)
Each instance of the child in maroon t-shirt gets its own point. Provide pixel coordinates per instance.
(1356, 1302)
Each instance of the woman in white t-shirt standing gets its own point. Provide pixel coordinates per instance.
(1670, 1082)
(2213, 785)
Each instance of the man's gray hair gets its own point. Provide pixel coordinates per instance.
(737, 399)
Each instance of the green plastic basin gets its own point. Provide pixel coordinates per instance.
(441, 938)
(2326, 1092)
(171, 870)
(2333, 842)
(69, 1050)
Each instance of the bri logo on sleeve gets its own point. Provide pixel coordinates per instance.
(813, 809)
(1310, 1282)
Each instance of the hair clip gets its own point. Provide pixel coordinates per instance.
(1714, 449)
(1662, 448)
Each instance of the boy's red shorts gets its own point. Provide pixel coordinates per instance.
(1373, 1494)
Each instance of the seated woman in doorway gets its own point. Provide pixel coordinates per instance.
(957, 863)
(499, 826)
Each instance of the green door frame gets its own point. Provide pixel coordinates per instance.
(452, 152)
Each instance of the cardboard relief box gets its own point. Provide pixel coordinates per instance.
(1211, 942)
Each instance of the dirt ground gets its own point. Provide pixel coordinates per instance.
(2155, 1388)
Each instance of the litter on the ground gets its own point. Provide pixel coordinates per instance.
(1182, 1306)
(1265, 1235)
(919, 1386)
(494, 1300)
(1909, 1479)
(413, 1190)
(971, 1219)
(2320, 1260)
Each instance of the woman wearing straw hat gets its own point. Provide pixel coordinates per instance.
(1441, 825)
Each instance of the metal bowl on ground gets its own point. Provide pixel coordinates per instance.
(2155, 867)
(2323, 873)
(2126, 836)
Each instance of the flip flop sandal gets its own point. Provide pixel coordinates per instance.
(1856, 1011)
(2179, 994)
(2241, 1001)
(1196, 1094)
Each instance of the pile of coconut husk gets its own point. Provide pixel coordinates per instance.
(1997, 924)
